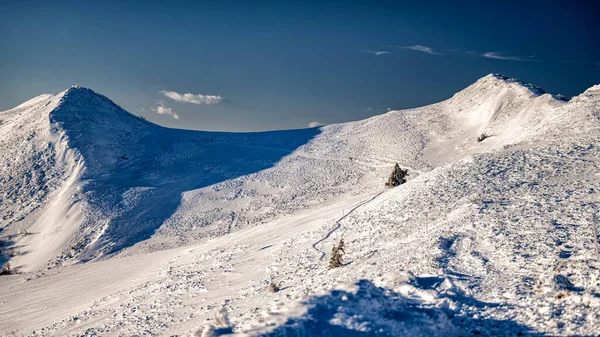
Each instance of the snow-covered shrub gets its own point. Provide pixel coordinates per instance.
(398, 177)
(6, 269)
(337, 253)
(221, 327)
(482, 137)
(273, 287)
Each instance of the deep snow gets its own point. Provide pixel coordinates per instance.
(148, 230)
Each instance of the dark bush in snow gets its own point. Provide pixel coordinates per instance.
(6, 270)
(482, 137)
(398, 177)
(273, 287)
(337, 253)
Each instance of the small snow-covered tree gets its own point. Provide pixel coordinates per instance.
(6, 269)
(273, 287)
(398, 177)
(221, 327)
(482, 137)
(337, 252)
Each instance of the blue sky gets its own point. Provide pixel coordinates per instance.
(283, 64)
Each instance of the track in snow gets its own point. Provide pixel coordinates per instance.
(338, 224)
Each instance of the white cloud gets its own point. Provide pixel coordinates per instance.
(191, 98)
(490, 54)
(423, 49)
(418, 47)
(314, 124)
(161, 109)
(499, 56)
(377, 52)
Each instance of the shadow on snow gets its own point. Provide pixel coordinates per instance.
(136, 172)
(376, 311)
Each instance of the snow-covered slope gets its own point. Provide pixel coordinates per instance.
(488, 237)
(84, 177)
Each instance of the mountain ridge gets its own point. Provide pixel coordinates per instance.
(489, 237)
(115, 166)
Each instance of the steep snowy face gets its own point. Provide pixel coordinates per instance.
(28, 167)
(99, 129)
(506, 110)
(492, 84)
(51, 146)
(36, 168)
(496, 101)
(86, 178)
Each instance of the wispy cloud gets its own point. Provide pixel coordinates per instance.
(377, 52)
(418, 47)
(191, 98)
(501, 56)
(314, 124)
(494, 55)
(161, 109)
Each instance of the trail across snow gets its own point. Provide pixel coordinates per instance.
(338, 223)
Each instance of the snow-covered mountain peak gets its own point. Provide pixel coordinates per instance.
(496, 96)
(91, 119)
(77, 90)
(495, 81)
(84, 102)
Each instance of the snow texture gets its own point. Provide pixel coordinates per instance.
(119, 227)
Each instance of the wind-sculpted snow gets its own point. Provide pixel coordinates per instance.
(134, 173)
(485, 238)
(499, 244)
